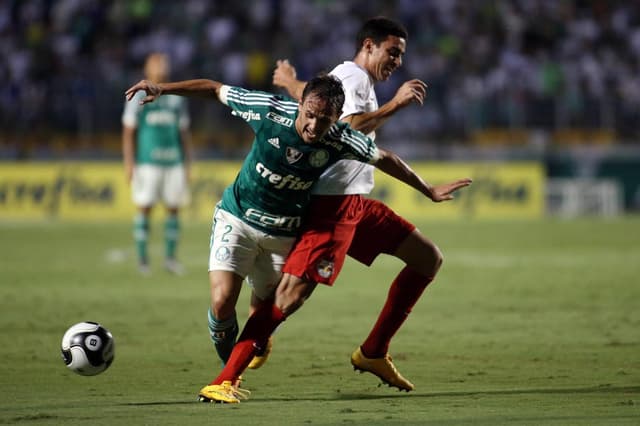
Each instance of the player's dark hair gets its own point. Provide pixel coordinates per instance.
(378, 29)
(326, 87)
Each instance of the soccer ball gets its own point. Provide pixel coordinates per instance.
(87, 348)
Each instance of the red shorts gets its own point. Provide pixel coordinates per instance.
(338, 225)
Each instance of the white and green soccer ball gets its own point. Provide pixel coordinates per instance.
(87, 348)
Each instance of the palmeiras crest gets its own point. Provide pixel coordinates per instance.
(319, 158)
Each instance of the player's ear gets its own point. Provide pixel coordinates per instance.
(368, 45)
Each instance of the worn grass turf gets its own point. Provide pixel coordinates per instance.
(528, 323)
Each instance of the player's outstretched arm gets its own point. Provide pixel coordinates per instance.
(284, 75)
(412, 91)
(395, 167)
(194, 88)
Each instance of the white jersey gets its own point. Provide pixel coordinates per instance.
(349, 176)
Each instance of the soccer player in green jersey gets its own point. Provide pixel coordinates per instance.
(157, 152)
(255, 224)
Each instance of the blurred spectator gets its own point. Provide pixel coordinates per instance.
(533, 64)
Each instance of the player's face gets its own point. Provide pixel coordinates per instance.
(157, 68)
(315, 117)
(385, 58)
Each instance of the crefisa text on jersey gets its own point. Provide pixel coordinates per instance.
(279, 182)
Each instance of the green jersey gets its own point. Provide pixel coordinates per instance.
(272, 189)
(158, 128)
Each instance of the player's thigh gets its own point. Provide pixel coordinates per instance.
(175, 190)
(146, 184)
(380, 230)
(233, 246)
(318, 254)
(267, 269)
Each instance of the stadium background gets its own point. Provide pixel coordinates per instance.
(533, 318)
(553, 84)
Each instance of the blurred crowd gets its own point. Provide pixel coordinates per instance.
(531, 64)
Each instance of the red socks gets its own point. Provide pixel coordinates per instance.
(258, 328)
(405, 291)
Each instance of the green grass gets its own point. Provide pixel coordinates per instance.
(528, 323)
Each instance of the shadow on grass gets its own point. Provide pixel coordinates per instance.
(414, 395)
(531, 391)
(151, 403)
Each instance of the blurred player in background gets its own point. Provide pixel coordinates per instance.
(364, 226)
(156, 146)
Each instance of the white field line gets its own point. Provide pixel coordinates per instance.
(553, 258)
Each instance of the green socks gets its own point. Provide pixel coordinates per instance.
(141, 237)
(171, 234)
(223, 334)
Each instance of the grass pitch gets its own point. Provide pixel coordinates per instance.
(527, 323)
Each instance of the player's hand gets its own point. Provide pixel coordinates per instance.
(152, 90)
(284, 74)
(445, 191)
(411, 91)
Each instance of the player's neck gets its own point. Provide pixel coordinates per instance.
(362, 61)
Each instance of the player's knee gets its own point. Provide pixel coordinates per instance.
(291, 294)
(438, 259)
(289, 301)
(430, 261)
(222, 309)
(290, 305)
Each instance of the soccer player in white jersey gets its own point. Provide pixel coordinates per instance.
(357, 223)
(256, 222)
(156, 146)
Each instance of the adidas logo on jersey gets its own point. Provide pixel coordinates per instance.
(275, 142)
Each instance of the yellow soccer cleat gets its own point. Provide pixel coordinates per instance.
(225, 393)
(259, 360)
(381, 367)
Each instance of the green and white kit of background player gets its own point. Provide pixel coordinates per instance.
(255, 223)
(159, 172)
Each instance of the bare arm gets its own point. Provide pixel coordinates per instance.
(411, 91)
(201, 88)
(128, 145)
(395, 167)
(285, 76)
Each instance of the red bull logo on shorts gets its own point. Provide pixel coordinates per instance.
(325, 268)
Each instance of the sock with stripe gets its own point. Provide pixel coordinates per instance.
(223, 334)
(141, 237)
(171, 234)
(257, 330)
